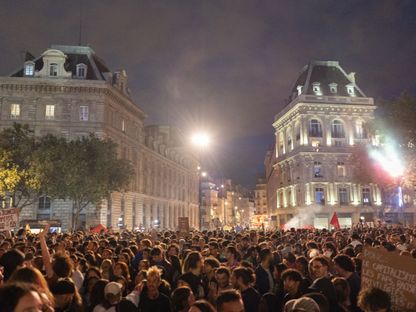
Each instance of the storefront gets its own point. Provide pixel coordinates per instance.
(320, 221)
(345, 220)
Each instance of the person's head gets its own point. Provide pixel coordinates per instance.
(301, 264)
(230, 301)
(265, 256)
(144, 264)
(173, 250)
(213, 248)
(107, 254)
(121, 269)
(193, 261)
(62, 266)
(202, 306)
(210, 264)
(106, 266)
(242, 278)
(97, 293)
(156, 254)
(374, 300)
(342, 288)
(153, 281)
(302, 304)
(113, 292)
(182, 299)
(65, 293)
(20, 297)
(231, 253)
(11, 261)
(344, 265)
(319, 267)
(291, 280)
(222, 275)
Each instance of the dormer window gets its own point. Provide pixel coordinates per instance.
(81, 71)
(316, 88)
(333, 88)
(29, 68)
(53, 69)
(300, 89)
(350, 90)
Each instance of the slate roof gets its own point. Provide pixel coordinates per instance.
(326, 73)
(96, 68)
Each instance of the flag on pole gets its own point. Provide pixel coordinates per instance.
(334, 221)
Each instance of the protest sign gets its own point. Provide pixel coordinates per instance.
(183, 224)
(392, 273)
(9, 219)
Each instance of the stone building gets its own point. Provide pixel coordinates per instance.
(69, 91)
(310, 171)
(260, 196)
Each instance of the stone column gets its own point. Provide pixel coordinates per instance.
(128, 210)
(116, 209)
(139, 210)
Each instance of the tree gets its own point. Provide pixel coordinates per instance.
(85, 171)
(18, 179)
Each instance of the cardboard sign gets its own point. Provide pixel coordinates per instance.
(9, 219)
(392, 273)
(183, 224)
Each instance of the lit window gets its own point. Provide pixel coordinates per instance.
(300, 89)
(351, 90)
(53, 69)
(50, 111)
(44, 202)
(366, 196)
(315, 128)
(15, 111)
(341, 170)
(29, 68)
(81, 71)
(317, 166)
(333, 88)
(319, 196)
(337, 129)
(360, 132)
(315, 143)
(316, 87)
(343, 196)
(83, 113)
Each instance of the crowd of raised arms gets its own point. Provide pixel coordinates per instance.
(224, 271)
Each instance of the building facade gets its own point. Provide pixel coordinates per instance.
(68, 91)
(309, 172)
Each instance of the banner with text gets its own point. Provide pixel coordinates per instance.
(183, 224)
(9, 219)
(392, 273)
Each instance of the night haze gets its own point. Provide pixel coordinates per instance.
(222, 66)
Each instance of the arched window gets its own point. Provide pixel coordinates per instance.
(29, 68)
(337, 129)
(81, 71)
(315, 128)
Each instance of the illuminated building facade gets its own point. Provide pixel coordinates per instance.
(310, 171)
(69, 92)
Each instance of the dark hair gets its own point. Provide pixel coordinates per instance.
(227, 296)
(320, 299)
(345, 262)
(292, 274)
(10, 295)
(233, 251)
(156, 251)
(204, 306)
(191, 261)
(374, 299)
(10, 261)
(263, 253)
(62, 266)
(214, 263)
(321, 259)
(223, 270)
(342, 288)
(245, 274)
(180, 298)
(97, 293)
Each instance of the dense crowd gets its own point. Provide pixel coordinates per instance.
(224, 271)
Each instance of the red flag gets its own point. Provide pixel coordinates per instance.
(334, 221)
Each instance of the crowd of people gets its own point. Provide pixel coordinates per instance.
(224, 271)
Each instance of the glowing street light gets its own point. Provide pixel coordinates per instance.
(201, 139)
(204, 174)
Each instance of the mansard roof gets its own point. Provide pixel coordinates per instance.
(96, 68)
(324, 74)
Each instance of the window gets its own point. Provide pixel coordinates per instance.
(316, 87)
(319, 196)
(53, 69)
(44, 202)
(315, 128)
(81, 71)
(83, 113)
(343, 196)
(333, 88)
(123, 125)
(29, 68)
(50, 111)
(300, 89)
(317, 169)
(351, 90)
(337, 129)
(359, 130)
(289, 143)
(297, 134)
(366, 196)
(15, 111)
(341, 170)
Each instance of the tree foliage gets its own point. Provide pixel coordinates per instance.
(18, 178)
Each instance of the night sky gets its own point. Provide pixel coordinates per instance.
(225, 66)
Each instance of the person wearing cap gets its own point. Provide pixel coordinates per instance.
(114, 301)
(301, 304)
(67, 298)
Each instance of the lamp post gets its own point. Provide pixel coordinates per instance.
(201, 141)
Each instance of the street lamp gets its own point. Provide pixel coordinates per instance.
(201, 139)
